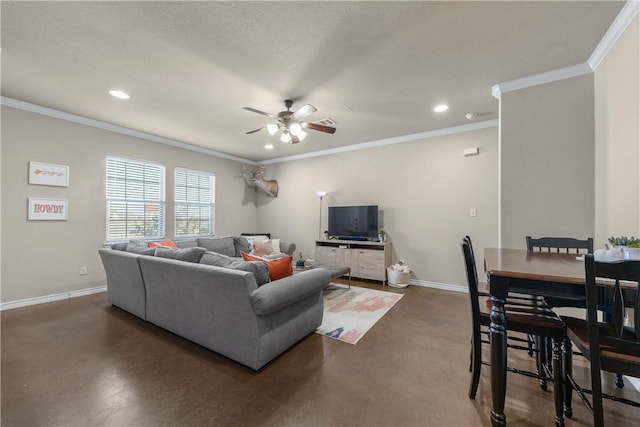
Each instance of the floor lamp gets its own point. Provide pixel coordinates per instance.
(321, 195)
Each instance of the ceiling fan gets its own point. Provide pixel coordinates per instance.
(291, 123)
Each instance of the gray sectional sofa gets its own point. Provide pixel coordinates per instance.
(223, 309)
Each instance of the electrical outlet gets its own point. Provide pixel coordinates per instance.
(473, 212)
(83, 271)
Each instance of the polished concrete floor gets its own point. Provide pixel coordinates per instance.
(83, 362)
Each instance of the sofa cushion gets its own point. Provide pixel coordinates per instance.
(166, 243)
(221, 245)
(278, 268)
(262, 247)
(242, 245)
(258, 268)
(187, 254)
(121, 246)
(251, 239)
(139, 248)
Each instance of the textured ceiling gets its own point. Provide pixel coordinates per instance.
(376, 68)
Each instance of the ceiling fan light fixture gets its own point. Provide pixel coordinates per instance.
(295, 129)
(285, 137)
(272, 128)
(301, 135)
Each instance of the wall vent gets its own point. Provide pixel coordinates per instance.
(327, 122)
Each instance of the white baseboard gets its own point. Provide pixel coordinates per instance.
(51, 298)
(436, 285)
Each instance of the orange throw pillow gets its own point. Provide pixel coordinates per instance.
(166, 243)
(278, 268)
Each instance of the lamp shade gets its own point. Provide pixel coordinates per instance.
(272, 129)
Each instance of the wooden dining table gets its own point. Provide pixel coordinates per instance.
(535, 273)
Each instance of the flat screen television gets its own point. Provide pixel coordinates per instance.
(353, 222)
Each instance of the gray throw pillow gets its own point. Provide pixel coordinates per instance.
(140, 249)
(122, 246)
(241, 244)
(258, 268)
(187, 254)
(221, 245)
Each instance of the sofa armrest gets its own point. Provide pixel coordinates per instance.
(279, 294)
(287, 247)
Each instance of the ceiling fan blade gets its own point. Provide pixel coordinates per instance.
(320, 128)
(304, 111)
(253, 110)
(255, 130)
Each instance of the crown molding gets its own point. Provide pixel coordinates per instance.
(26, 106)
(540, 79)
(388, 141)
(627, 14)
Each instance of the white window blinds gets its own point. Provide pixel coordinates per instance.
(135, 199)
(195, 202)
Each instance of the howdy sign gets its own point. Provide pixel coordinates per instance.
(47, 209)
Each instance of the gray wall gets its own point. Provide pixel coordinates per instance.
(424, 190)
(41, 258)
(547, 161)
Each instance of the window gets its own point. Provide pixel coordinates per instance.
(195, 202)
(135, 199)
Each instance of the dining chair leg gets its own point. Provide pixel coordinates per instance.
(558, 392)
(541, 360)
(476, 364)
(567, 371)
(619, 381)
(596, 394)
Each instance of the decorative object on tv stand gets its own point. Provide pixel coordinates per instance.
(398, 275)
(382, 235)
(48, 174)
(321, 195)
(254, 179)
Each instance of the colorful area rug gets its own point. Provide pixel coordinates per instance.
(350, 313)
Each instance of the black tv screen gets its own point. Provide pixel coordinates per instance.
(353, 221)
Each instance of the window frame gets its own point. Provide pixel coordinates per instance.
(131, 203)
(193, 203)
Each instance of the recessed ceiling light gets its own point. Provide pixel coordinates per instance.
(268, 146)
(441, 108)
(119, 94)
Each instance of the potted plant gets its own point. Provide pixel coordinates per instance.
(629, 245)
(398, 274)
(382, 235)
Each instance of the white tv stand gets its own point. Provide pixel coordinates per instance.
(368, 260)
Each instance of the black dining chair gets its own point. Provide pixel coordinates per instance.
(560, 244)
(526, 317)
(612, 346)
(557, 245)
(533, 343)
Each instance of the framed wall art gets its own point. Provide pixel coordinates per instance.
(47, 209)
(48, 174)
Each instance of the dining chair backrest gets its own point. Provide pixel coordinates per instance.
(472, 281)
(560, 244)
(626, 338)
